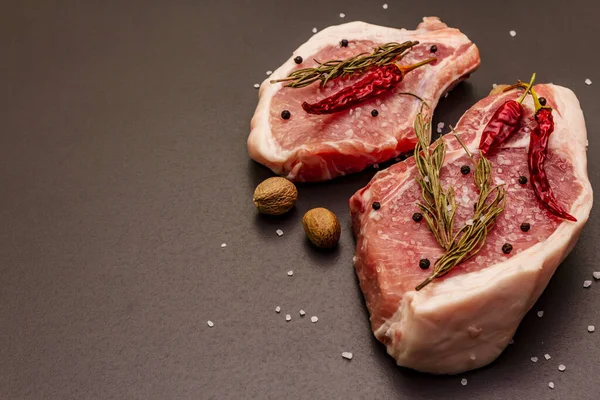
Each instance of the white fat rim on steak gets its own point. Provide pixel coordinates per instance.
(497, 296)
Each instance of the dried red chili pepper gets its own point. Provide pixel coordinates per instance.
(374, 83)
(538, 151)
(503, 123)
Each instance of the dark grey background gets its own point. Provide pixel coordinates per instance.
(123, 161)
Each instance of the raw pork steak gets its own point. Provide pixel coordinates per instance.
(320, 147)
(465, 319)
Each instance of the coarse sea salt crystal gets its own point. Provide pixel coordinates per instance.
(314, 30)
(588, 81)
(440, 126)
(513, 33)
(561, 367)
(426, 179)
(269, 72)
(279, 232)
(463, 381)
(313, 319)
(540, 314)
(591, 328)
(596, 275)
(494, 85)
(256, 86)
(347, 355)
(587, 284)
(385, 6)
(288, 317)
(469, 222)
(547, 356)
(551, 385)
(302, 313)
(290, 273)
(210, 323)
(534, 359)
(342, 15)
(277, 309)
(223, 244)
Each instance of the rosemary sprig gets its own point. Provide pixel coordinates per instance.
(438, 206)
(382, 55)
(471, 237)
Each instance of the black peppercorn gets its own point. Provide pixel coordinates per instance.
(376, 205)
(522, 180)
(424, 263)
(344, 43)
(465, 169)
(542, 101)
(417, 217)
(374, 112)
(298, 60)
(507, 248)
(285, 114)
(433, 48)
(525, 226)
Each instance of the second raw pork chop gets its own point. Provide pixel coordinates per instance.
(466, 318)
(319, 147)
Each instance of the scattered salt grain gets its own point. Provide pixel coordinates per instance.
(426, 179)
(302, 313)
(279, 232)
(385, 6)
(440, 126)
(540, 314)
(551, 385)
(513, 33)
(469, 222)
(288, 317)
(269, 72)
(596, 275)
(588, 81)
(463, 381)
(534, 359)
(561, 367)
(223, 244)
(591, 328)
(347, 355)
(210, 323)
(277, 309)
(256, 86)
(342, 15)
(547, 356)
(290, 273)
(314, 30)
(587, 284)
(313, 319)
(494, 85)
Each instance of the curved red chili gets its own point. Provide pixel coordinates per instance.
(503, 124)
(538, 151)
(371, 85)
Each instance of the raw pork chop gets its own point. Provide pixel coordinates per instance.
(320, 147)
(465, 319)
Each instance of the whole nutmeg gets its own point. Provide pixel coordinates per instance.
(275, 196)
(322, 227)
